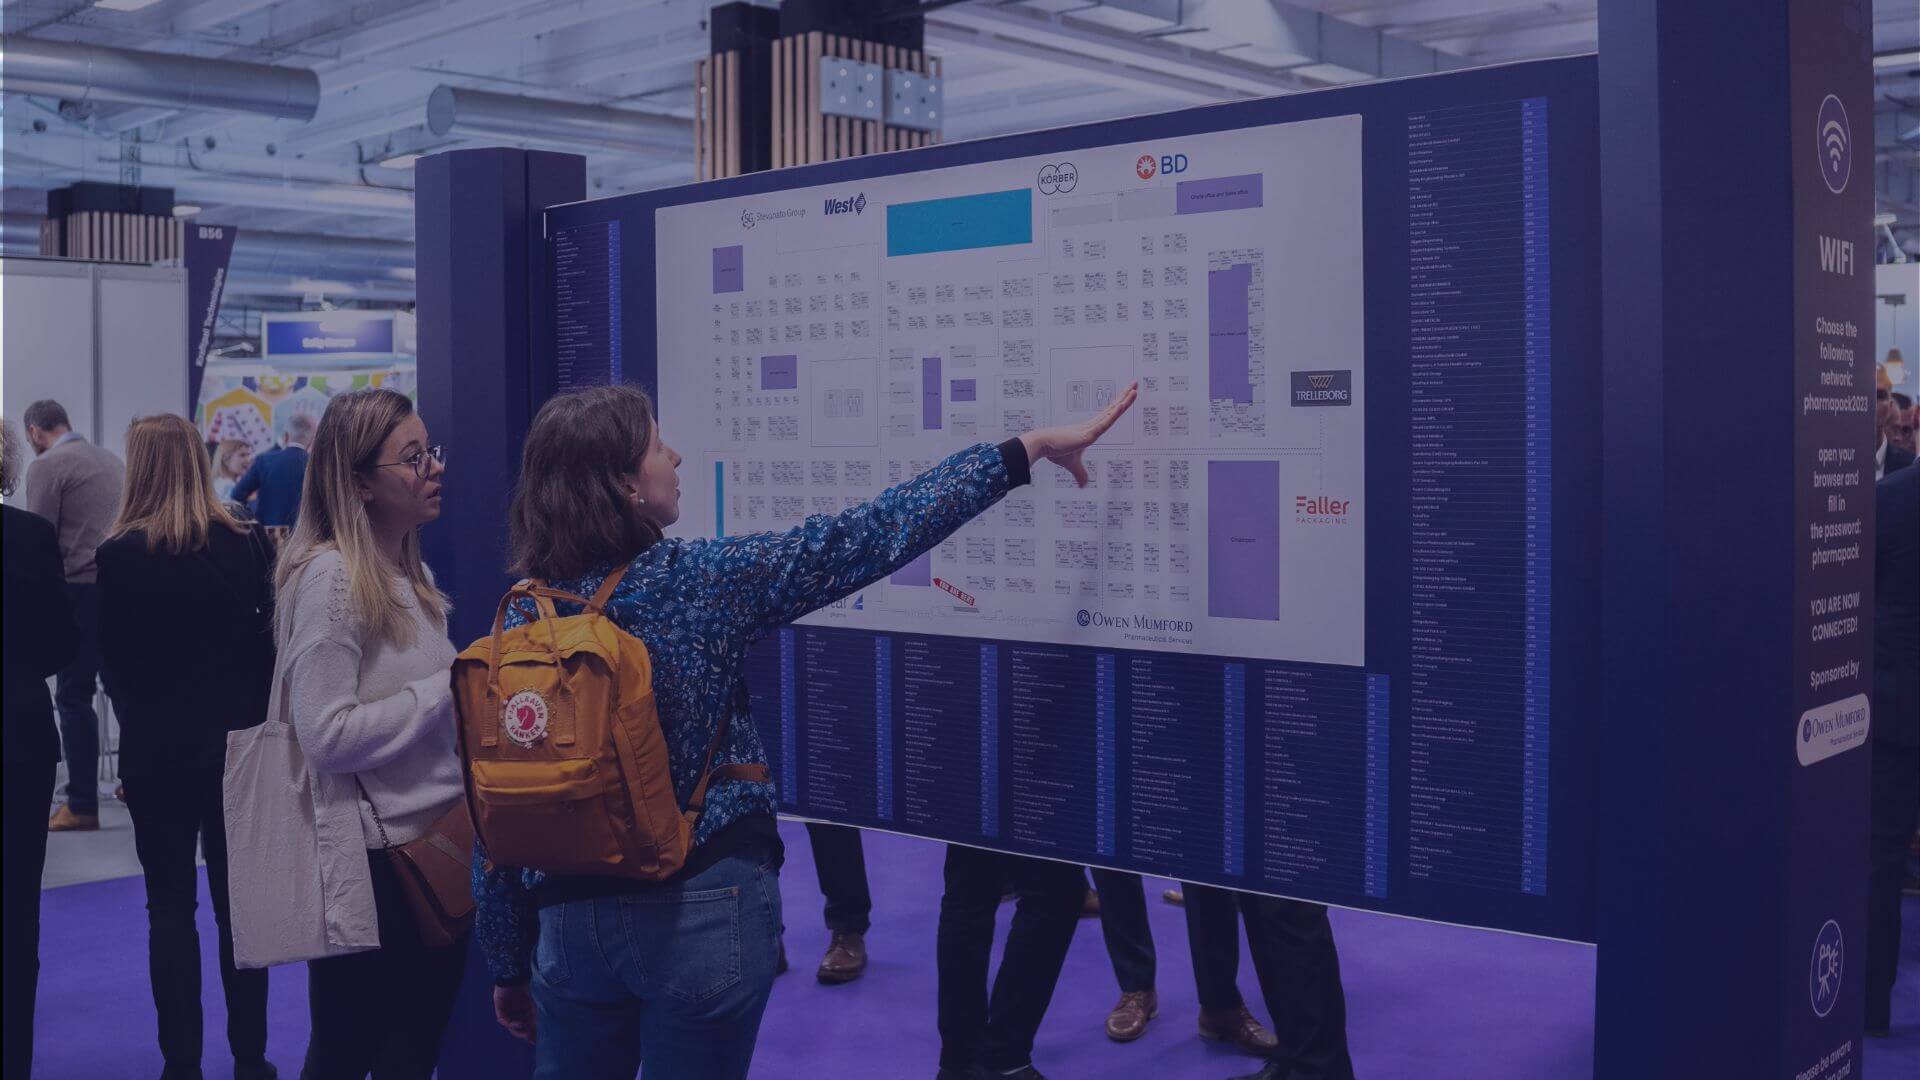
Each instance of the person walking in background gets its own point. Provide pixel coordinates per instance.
(367, 665)
(1895, 806)
(686, 983)
(275, 480)
(176, 550)
(75, 485)
(41, 637)
(840, 861)
(231, 461)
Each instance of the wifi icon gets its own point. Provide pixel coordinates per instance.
(1835, 144)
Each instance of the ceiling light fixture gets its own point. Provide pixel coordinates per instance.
(185, 210)
(124, 5)
(398, 161)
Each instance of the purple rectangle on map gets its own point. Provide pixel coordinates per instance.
(963, 390)
(729, 269)
(1227, 355)
(930, 393)
(917, 572)
(1220, 193)
(1243, 540)
(779, 373)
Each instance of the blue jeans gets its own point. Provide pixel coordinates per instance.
(679, 976)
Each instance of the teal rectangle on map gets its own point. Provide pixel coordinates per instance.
(990, 219)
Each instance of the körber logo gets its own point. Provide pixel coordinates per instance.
(1058, 179)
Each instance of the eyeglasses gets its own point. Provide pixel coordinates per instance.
(417, 461)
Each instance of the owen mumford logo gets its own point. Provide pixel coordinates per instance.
(855, 206)
(1322, 388)
(1136, 621)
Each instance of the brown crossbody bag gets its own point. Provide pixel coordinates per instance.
(435, 872)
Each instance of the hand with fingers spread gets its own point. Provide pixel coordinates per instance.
(1064, 444)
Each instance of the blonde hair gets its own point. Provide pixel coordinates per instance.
(223, 455)
(168, 494)
(332, 518)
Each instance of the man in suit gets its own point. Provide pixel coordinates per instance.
(1896, 729)
(278, 477)
(41, 637)
(75, 486)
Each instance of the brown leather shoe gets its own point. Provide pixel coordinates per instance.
(1238, 1029)
(65, 820)
(846, 958)
(1090, 907)
(1128, 1020)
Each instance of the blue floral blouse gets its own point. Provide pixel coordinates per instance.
(698, 604)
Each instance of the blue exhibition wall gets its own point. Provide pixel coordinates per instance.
(1444, 769)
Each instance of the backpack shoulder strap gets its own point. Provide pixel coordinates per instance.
(697, 801)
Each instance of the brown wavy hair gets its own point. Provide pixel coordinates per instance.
(569, 515)
(168, 494)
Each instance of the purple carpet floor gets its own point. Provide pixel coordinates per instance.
(1426, 1001)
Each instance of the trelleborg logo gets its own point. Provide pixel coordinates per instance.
(1058, 179)
(1146, 166)
(1318, 388)
(1835, 144)
(1083, 618)
(1828, 967)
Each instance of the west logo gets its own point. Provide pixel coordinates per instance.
(854, 206)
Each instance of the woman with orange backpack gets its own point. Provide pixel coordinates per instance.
(679, 969)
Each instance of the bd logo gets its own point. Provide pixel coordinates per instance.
(1058, 179)
(1165, 164)
(1083, 618)
(1145, 167)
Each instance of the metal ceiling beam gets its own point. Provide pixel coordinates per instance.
(468, 113)
(1109, 55)
(96, 73)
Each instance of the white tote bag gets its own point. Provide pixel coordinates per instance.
(297, 876)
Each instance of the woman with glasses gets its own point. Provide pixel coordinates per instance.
(366, 661)
(175, 548)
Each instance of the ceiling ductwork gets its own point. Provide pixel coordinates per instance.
(124, 76)
(469, 113)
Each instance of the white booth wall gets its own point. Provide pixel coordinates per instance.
(106, 340)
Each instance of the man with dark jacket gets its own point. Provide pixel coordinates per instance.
(1896, 728)
(278, 477)
(41, 638)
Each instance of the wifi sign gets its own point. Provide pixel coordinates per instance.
(1835, 145)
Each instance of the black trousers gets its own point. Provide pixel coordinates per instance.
(73, 690)
(841, 861)
(1129, 937)
(28, 792)
(1298, 967)
(997, 1031)
(1895, 814)
(175, 813)
(383, 1012)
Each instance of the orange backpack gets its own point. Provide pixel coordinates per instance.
(566, 765)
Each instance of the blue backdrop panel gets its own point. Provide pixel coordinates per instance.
(1398, 786)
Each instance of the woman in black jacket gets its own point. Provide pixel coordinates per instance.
(186, 640)
(41, 636)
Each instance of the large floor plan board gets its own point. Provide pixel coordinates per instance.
(827, 342)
